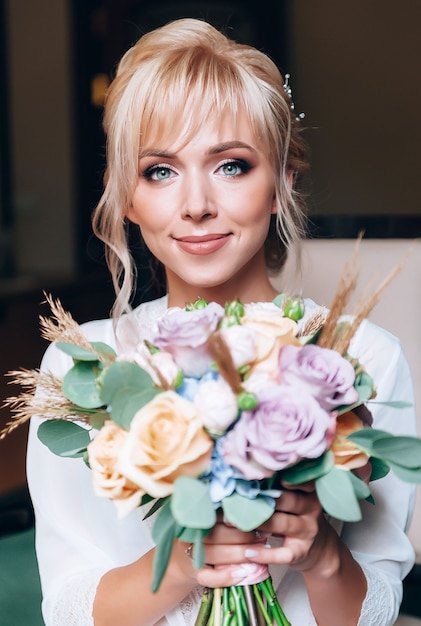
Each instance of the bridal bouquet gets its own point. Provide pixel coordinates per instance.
(209, 412)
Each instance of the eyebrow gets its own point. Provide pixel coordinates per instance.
(222, 147)
(219, 148)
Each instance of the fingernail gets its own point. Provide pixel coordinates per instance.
(250, 553)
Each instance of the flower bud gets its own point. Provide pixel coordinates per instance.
(294, 308)
(234, 308)
(247, 401)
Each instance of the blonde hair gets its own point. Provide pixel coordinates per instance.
(177, 77)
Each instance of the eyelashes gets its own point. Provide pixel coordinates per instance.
(160, 171)
(230, 168)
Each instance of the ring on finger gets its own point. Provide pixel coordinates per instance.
(189, 550)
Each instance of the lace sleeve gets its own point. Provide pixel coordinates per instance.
(378, 609)
(73, 604)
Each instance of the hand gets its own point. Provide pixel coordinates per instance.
(299, 520)
(225, 547)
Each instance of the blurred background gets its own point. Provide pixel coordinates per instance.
(355, 74)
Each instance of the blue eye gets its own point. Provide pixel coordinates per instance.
(157, 172)
(231, 169)
(235, 168)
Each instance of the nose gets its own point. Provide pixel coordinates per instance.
(198, 199)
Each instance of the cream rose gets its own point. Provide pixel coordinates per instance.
(272, 331)
(108, 482)
(166, 440)
(346, 453)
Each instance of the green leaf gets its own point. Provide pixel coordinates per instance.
(155, 507)
(104, 350)
(308, 469)
(245, 513)
(191, 505)
(361, 489)
(407, 474)
(394, 404)
(127, 402)
(379, 468)
(336, 494)
(405, 451)
(64, 438)
(164, 531)
(195, 536)
(80, 386)
(123, 375)
(365, 438)
(77, 352)
(83, 354)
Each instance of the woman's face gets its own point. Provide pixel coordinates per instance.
(204, 208)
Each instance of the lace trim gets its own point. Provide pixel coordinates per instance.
(74, 603)
(190, 606)
(376, 609)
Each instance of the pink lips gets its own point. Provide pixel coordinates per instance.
(203, 244)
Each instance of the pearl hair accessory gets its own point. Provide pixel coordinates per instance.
(288, 91)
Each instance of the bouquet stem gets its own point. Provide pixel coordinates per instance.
(248, 605)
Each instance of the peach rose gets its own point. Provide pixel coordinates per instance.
(345, 452)
(272, 331)
(108, 482)
(166, 440)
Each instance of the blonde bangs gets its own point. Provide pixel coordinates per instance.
(195, 88)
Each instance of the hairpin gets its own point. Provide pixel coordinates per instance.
(288, 91)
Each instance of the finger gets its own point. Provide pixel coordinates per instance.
(223, 576)
(223, 534)
(223, 554)
(297, 503)
(282, 555)
(307, 487)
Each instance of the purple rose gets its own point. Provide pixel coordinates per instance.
(184, 334)
(322, 372)
(287, 425)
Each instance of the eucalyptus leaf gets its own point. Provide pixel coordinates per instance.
(80, 384)
(308, 469)
(198, 551)
(191, 505)
(64, 438)
(106, 351)
(336, 494)
(155, 507)
(407, 474)
(379, 468)
(405, 451)
(123, 375)
(364, 394)
(126, 403)
(246, 513)
(77, 352)
(365, 438)
(394, 404)
(361, 489)
(164, 531)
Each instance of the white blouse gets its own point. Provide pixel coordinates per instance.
(79, 538)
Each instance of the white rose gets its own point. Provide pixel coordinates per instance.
(240, 341)
(216, 405)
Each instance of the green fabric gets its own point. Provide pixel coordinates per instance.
(20, 591)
